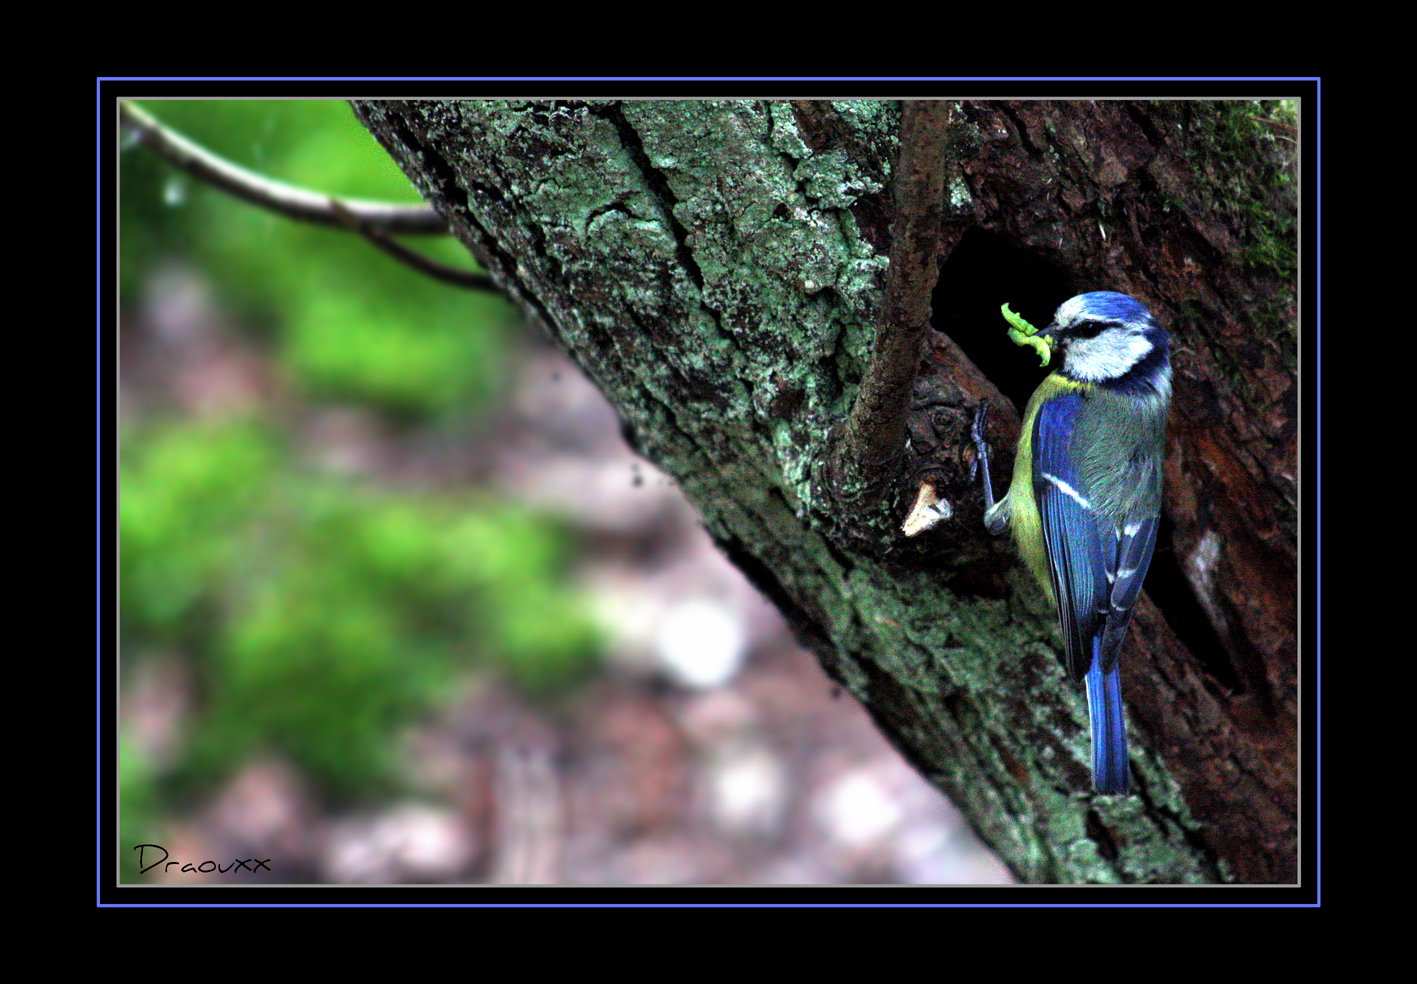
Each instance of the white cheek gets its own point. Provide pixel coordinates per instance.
(1100, 358)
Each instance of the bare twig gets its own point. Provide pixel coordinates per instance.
(381, 240)
(875, 431)
(374, 221)
(288, 200)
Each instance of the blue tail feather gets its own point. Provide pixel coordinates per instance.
(1109, 728)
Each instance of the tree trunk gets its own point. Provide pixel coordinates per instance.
(717, 269)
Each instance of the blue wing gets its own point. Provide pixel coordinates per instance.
(1128, 555)
(1096, 573)
(1076, 563)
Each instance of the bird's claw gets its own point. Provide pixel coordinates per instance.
(981, 445)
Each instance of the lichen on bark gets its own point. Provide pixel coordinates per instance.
(716, 267)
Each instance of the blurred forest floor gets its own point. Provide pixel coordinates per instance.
(707, 747)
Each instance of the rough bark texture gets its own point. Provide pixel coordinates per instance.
(716, 268)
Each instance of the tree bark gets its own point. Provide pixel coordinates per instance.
(717, 269)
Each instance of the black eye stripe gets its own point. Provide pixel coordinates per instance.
(1089, 329)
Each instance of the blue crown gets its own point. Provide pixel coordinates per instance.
(1108, 305)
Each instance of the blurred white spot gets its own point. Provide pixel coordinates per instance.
(408, 843)
(749, 792)
(701, 642)
(858, 809)
(174, 193)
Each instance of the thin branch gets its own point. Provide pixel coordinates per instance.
(375, 221)
(875, 431)
(468, 279)
(288, 200)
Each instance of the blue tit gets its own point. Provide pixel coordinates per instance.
(1086, 494)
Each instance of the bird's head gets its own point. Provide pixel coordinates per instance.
(1108, 337)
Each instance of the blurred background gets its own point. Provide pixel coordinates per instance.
(398, 604)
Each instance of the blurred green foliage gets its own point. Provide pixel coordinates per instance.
(320, 614)
(317, 615)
